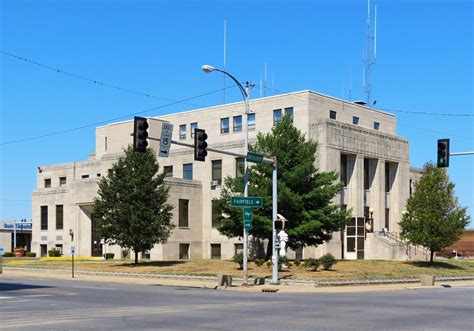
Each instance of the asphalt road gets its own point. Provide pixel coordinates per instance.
(47, 304)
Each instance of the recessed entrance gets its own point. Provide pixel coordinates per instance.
(355, 238)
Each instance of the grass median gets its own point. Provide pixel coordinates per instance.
(343, 270)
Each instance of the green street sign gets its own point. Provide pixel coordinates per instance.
(254, 157)
(247, 224)
(248, 214)
(253, 202)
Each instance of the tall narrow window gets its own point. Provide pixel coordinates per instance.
(168, 170)
(44, 217)
(237, 123)
(411, 187)
(182, 131)
(59, 217)
(276, 116)
(105, 143)
(366, 174)
(387, 219)
(217, 171)
(184, 251)
(344, 178)
(251, 122)
(215, 251)
(376, 125)
(215, 215)
(387, 177)
(47, 183)
(239, 167)
(183, 207)
(289, 113)
(188, 171)
(332, 114)
(193, 127)
(355, 120)
(225, 125)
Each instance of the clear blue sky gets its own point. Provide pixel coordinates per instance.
(424, 64)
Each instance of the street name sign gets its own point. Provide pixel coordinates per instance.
(165, 139)
(254, 157)
(252, 202)
(73, 250)
(248, 218)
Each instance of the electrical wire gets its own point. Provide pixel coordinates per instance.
(94, 81)
(111, 119)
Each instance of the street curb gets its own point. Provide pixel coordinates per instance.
(304, 282)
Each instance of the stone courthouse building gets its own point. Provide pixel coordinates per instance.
(358, 142)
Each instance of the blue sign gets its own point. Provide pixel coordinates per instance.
(23, 226)
(1, 251)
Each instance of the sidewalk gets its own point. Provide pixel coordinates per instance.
(212, 284)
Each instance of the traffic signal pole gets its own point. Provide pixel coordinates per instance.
(273, 162)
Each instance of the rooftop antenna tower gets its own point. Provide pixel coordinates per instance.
(265, 81)
(225, 45)
(371, 39)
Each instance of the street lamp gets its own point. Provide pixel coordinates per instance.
(371, 219)
(245, 94)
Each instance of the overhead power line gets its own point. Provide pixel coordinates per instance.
(111, 119)
(94, 81)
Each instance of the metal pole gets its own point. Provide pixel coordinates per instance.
(246, 180)
(461, 153)
(14, 234)
(274, 217)
(72, 265)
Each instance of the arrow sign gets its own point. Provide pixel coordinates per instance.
(254, 202)
(165, 139)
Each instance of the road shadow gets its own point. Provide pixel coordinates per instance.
(7, 287)
(434, 265)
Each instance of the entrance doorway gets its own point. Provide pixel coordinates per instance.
(96, 244)
(355, 238)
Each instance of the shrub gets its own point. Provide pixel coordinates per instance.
(54, 253)
(8, 254)
(297, 263)
(327, 261)
(239, 259)
(312, 263)
(30, 254)
(269, 264)
(259, 262)
(109, 256)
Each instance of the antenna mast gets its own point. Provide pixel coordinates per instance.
(225, 45)
(369, 61)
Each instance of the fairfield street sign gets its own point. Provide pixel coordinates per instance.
(253, 202)
(254, 157)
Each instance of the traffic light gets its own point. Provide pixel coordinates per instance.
(140, 134)
(200, 145)
(443, 153)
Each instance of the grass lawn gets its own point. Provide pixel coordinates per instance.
(362, 269)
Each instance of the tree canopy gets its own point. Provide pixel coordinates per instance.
(304, 194)
(132, 209)
(433, 217)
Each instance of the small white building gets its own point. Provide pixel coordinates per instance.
(358, 142)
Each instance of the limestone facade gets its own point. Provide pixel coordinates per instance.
(356, 141)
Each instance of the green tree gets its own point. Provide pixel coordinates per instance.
(304, 194)
(433, 216)
(132, 209)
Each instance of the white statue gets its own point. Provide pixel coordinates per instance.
(283, 240)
